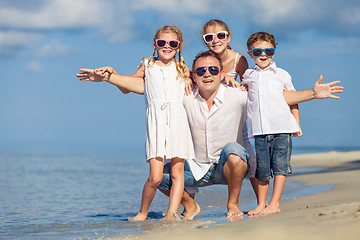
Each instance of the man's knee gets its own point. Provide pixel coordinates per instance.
(166, 178)
(235, 152)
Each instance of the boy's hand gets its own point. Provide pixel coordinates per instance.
(325, 90)
(297, 134)
(243, 87)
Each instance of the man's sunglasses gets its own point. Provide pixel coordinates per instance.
(213, 70)
(256, 52)
(174, 44)
(209, 37)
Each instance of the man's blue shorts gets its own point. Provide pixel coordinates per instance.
(215, 175)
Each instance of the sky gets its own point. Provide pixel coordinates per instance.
(43, 43)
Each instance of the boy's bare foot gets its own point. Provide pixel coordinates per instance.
(256, 211)
(271, 209)
(138, 218)
(234, 211)
(190, 213)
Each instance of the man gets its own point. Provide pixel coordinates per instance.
(216, 115)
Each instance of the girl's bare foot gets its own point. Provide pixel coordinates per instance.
(138, 218)
(171, 217)
(256, 211)
(271, 209)
(189, 214)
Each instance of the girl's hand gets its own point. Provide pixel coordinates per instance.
(188, 86)
(93, 75)
(231, 81)
(106, 69)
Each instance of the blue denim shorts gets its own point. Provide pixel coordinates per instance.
(215, 175)
(273, 153)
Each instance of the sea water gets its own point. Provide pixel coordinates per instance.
(90, 196)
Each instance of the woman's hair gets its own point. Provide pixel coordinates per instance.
(180, 64)
(260, 36)
(215, 22)
(205, 54)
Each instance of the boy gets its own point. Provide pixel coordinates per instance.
(271, 121)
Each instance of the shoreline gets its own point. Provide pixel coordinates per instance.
(327, 215)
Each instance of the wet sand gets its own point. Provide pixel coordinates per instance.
(334, 214)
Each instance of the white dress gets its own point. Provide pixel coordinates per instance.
(167, 128)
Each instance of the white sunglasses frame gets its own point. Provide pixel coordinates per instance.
(215, 35)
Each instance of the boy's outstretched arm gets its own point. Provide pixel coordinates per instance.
(320, 91)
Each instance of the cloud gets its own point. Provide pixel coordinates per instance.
(14, 42)
(35, 67)
(53, 14)
(122, 20)
(54, 49)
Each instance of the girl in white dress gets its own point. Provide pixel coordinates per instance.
(168, 135)
(167, 130)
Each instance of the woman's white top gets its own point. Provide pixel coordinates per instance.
(167, 129)
(233, 72)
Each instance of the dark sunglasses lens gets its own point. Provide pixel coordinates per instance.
(209, 38)
(269, 51)
(221, 36)
(256, 52)
(214, 70)
(200, 71)
(161, 43)
(174, 44)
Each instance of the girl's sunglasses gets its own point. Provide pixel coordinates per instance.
(213, 70)
(174, 44)
(209, 37)
(256, 52)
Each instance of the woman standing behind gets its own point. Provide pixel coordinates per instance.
(216, 36)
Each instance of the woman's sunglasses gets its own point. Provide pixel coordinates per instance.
(213, 70)
(174, 44)
(209, 37)
(256, 52)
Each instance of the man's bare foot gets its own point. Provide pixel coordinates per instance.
(138, 218)
(234, 211)
(256, 211)
(271, 209)
(190, 213)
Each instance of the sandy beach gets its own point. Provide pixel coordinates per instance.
(333, 214)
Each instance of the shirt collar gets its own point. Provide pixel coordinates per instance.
(220, 95)
(271, 67)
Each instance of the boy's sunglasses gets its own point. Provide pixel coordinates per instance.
(174, 44)
(213, 70)
(256, 52)
(209, 37)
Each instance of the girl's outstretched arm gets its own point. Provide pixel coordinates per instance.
(125, 83)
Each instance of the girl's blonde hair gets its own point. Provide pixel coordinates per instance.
(180, 64)
(216, 22)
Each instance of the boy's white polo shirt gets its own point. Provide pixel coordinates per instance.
(268, 112)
